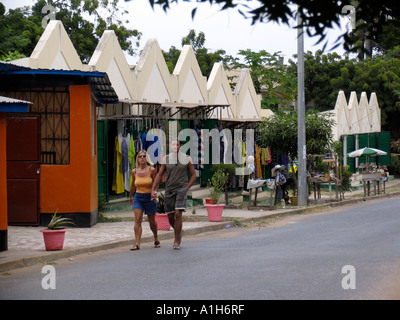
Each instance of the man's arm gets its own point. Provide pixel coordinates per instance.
(157, 181)
(192, 174)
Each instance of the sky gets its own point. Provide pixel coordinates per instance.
(227, 30)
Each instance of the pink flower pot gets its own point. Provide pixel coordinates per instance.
(215, 212)
(162, 221)
(53, 239)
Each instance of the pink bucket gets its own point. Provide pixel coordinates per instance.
(215, 212)
(162, 221)
(53, 239)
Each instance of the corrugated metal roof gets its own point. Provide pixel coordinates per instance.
(14, 77)
(12, 100)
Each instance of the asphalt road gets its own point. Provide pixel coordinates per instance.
(351, 252)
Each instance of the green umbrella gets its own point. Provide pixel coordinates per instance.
(366, 152)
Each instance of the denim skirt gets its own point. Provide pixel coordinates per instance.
(143, 202)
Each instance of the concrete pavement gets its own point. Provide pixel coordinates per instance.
(26, 246)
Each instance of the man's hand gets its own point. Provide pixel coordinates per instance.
(154, 195)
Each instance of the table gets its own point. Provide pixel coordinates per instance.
(255, 184)
(376, 178)
(317, 187)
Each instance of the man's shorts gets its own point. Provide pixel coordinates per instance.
(143, 202)
(175, 200)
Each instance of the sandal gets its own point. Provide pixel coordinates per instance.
(135, 247)
(156, 244)
(176, 247)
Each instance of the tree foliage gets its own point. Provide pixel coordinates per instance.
(19, 32)
(205, 58)
(373, 18)
(20, 29)
(270, 76)
(280, 132)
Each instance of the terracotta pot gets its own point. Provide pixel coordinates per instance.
(162, 221)
(215, 212)
(53, 239)
(209, 201)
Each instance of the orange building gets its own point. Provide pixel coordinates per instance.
(7, 105)
(51, 150)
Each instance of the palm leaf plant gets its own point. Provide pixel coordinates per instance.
(57, 222)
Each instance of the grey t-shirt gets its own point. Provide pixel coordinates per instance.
(176, 171)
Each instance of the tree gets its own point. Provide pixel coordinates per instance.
(320, 69)
(196, 41)
(204, 58)
(22, 27)
(171, 57)
(279, 132)
(10, 56)
(376, 17)
(18, 33)
(270, 76)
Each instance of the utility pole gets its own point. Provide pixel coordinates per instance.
(302, 191)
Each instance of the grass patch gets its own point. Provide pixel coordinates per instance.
(103, 219)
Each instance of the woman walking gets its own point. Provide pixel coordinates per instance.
(142, 180)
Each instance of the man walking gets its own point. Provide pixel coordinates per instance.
(177, 165)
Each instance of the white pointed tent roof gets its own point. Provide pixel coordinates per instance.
(55, 50)
(190, 85)
(364, 119)
(374, 113)
(154, 82)
(220, 92)
(247, 102)
(151, 81)
(354, 123)
(341, 116)
(355, 117)
(108, 57)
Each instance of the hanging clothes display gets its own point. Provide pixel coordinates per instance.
(131, 158)
(118, 178)
(125, 142)
(258, 162)
(266, 156)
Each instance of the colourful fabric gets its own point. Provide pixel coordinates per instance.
(131, 158)
(258, 162)
(265, 156)
(118, 178)
(125, 143)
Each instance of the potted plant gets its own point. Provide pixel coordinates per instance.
(161, 216)
(217, 183)
(54, 235)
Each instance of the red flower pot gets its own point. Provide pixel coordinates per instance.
(162, 221)
(53, 239)
(214, 212)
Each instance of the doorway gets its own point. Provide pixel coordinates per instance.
(23, 169)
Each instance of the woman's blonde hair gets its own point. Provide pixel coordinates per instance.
(147, 158)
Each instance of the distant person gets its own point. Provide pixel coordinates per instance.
(177, 165)
(142, 180)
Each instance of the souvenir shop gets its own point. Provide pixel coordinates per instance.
(121, 137)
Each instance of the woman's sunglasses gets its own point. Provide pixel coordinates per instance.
(141, 157)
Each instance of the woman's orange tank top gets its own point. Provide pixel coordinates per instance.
(144, 184)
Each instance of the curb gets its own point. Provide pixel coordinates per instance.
(48, 256)
(52, 256)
